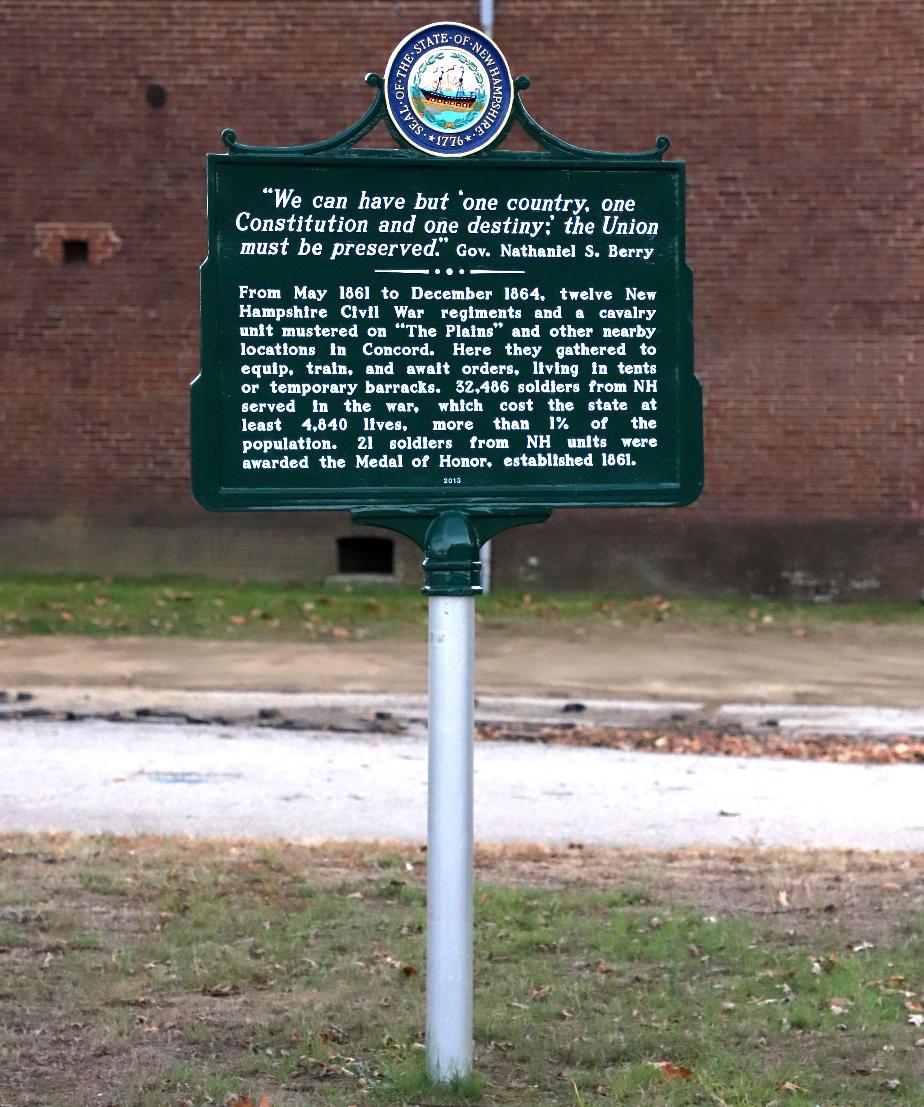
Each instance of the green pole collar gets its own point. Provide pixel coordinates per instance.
(452, 557)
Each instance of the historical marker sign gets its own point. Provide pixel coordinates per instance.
(448, 340)
(389, 329)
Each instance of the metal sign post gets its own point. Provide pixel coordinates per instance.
(452, 580)
(450, 843)
(446, 339)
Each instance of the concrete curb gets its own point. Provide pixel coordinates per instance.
(369, 712)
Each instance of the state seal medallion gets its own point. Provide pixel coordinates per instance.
(448, 90)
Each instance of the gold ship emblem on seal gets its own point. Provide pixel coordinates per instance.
(455, 100)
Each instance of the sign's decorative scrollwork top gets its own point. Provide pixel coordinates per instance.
(377, 112)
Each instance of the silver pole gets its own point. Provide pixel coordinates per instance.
(486, 16)
(450, 837)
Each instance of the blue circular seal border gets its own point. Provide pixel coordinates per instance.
(485, 130)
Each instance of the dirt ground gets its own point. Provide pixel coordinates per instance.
(58, 1046)
(850, 665)
(863, 889)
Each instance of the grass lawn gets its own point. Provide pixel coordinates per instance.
(200, 608)
(156, 973)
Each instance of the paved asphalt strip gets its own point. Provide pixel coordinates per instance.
(342, 710)
(166, 777)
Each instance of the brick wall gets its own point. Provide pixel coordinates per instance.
(796, 120)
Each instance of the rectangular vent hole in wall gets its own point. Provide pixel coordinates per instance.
(366, 555)
(75, 251)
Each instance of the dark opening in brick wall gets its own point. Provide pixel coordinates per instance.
(75, 251)
(156, 96)
(365, 555)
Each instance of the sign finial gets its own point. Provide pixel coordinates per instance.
(448, 90)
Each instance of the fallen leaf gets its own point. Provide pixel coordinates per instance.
(339, 632)
(409, 970)
(791, 1086)
(238, 620)
(671, 1071)
(221, 990)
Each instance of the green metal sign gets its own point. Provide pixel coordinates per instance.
(447, 339)
(384, 329)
